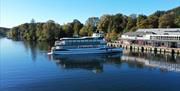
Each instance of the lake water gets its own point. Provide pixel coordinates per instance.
(25, 66)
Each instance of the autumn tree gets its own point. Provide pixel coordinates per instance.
(104, 23)
(166, 21)
(77, 25)
(91, 24)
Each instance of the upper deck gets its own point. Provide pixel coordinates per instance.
(81, 41)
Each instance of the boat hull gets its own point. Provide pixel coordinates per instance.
(80, 51)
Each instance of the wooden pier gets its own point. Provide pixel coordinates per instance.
(142, 48)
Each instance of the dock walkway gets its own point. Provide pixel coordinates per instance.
(147, 48)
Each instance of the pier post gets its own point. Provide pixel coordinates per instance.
(142, 49)
(150, 49)
(164, 51)
(160, 50)
(130, 47)
(172, 52)
(155, 50)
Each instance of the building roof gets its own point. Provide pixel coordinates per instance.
(139, 33)
(81, 38)
(162, 31)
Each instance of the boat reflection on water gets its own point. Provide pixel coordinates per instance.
(87, 62)
(135, 60)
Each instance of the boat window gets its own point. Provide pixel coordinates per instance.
(73, 40)
(78, 40)
(68, 40)
(90, 40)
(82, 40)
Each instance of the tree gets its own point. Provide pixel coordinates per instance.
(104, 23)
(84, 31)
(91, 24)
(39, 31)
(111, 25)
(118, 23)
(140, 20)
(49, 29)
(59, 32)
(77, 25)
(32, 31)
(24, 30)
(32, 21)
(112, 36)
(133, 16)
(153, 21)
(166, 21)
(177, 21)
(68, 29)
(14, 32)
(144, 24)
(131, 22)
(159, 13)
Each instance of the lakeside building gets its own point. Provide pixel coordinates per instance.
(161, 37)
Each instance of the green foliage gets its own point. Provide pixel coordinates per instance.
(104, 23)
(141, 21)
(37, 31)
(118, 23)
(158, 13)
(4, 31)
(131, 23)
(177, 21)
(68, 28)
(91, 24)
(111, 25)
(153, 21)
(166, 21)
(14, 33)
(84, 31)
(77, 25)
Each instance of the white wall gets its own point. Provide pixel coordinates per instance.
(145, 37)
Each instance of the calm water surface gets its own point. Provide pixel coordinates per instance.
(25, 66)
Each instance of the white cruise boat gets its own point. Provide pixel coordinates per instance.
(84, 45)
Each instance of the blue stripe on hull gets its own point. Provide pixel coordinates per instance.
(88, 51)
(87, 57)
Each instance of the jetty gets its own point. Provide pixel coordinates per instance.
(143, 48)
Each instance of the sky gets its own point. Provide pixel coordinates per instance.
(16, 12)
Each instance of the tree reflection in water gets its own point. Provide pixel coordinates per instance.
(37, 47)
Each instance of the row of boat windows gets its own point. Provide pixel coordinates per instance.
(89, 40)
(80, 46)
(83, 43)
(165, 37)
(79, 43)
